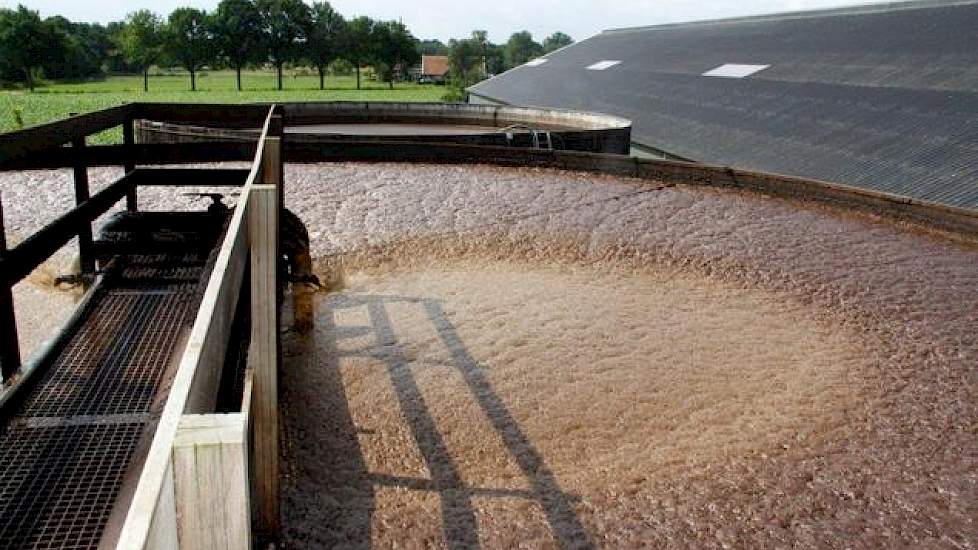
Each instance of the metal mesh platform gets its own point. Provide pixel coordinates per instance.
(114, 363)
(67, 447)
(57, 484)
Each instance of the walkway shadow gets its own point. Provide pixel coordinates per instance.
(327, 495)
(458, 516)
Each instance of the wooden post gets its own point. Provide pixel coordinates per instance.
(276, 129)
(86, 249)
(9, 345)
(263, 355)
(128, 140)
(210, 478)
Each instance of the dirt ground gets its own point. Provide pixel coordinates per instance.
(535, 358)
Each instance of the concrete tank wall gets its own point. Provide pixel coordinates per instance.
(519, 127)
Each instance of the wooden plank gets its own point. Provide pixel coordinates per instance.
(86, 250)
(135, 534)
(18, 144)
(128, 141)
(140, 153)
(35, 250)
(164, 531)
(223, 115)
(211, 348)
(211, 482)
(190, 177)
(263, 355)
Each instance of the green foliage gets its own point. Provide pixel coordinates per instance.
(140, 41)
(395, 49)
(86, 47)
(327, 37)
(26, 42)
(432, 47)
(556, 41)
(521, 48)
(454, 94)
(359, 48)
(286, 24)
(238, 35)
(464, 61)
(188, 40)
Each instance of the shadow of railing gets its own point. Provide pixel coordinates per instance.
(458, 515)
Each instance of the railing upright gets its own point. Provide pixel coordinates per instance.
(129, 141)
(9, 345)
(263, 357)
(86, 248)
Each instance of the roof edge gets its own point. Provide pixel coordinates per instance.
(861, 9)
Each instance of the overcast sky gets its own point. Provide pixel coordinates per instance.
(446, 19)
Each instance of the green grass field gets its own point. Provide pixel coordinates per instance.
(57, 100)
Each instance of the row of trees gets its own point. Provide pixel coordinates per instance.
(241, 34)
(474, 58)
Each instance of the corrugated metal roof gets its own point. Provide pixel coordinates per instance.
(885, 98)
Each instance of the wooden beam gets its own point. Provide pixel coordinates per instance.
(210, 474)
(263, 354)
(149, 507)
(35, 250)
(9, 344)
(129, 165)
(223, 115)
(86, 251)
(14, 145)
(190, 177)
(140, 153)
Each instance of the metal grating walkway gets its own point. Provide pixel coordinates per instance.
(65, 450)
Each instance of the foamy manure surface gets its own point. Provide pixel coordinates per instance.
(526, 386)
(537, 357)
(546, 358)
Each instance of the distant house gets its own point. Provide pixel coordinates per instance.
(434, 68)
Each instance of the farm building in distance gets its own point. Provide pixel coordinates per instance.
(434, 68)
(883, 97)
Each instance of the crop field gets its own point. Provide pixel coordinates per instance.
(19, 109)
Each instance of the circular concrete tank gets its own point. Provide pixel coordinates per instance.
(551, 358)
(542, 357)
(485, 125)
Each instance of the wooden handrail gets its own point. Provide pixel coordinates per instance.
(151, 520)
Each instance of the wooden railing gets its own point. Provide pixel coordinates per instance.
(45, 146)
(195, 490)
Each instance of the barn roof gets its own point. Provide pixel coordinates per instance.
(434, 65)
(884, 97)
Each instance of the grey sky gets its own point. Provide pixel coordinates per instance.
(445, 19)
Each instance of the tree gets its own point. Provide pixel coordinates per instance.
(359, 47)
(395, 49)
(464, 59)
(556, 41)
(286, 24)
(481, 40)
(85, 48)
(521, 48)
(327, 34)
(237, 29)
(432, 47)
(495, 59)
(188, 40)
(26, 42)
(141, 41)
